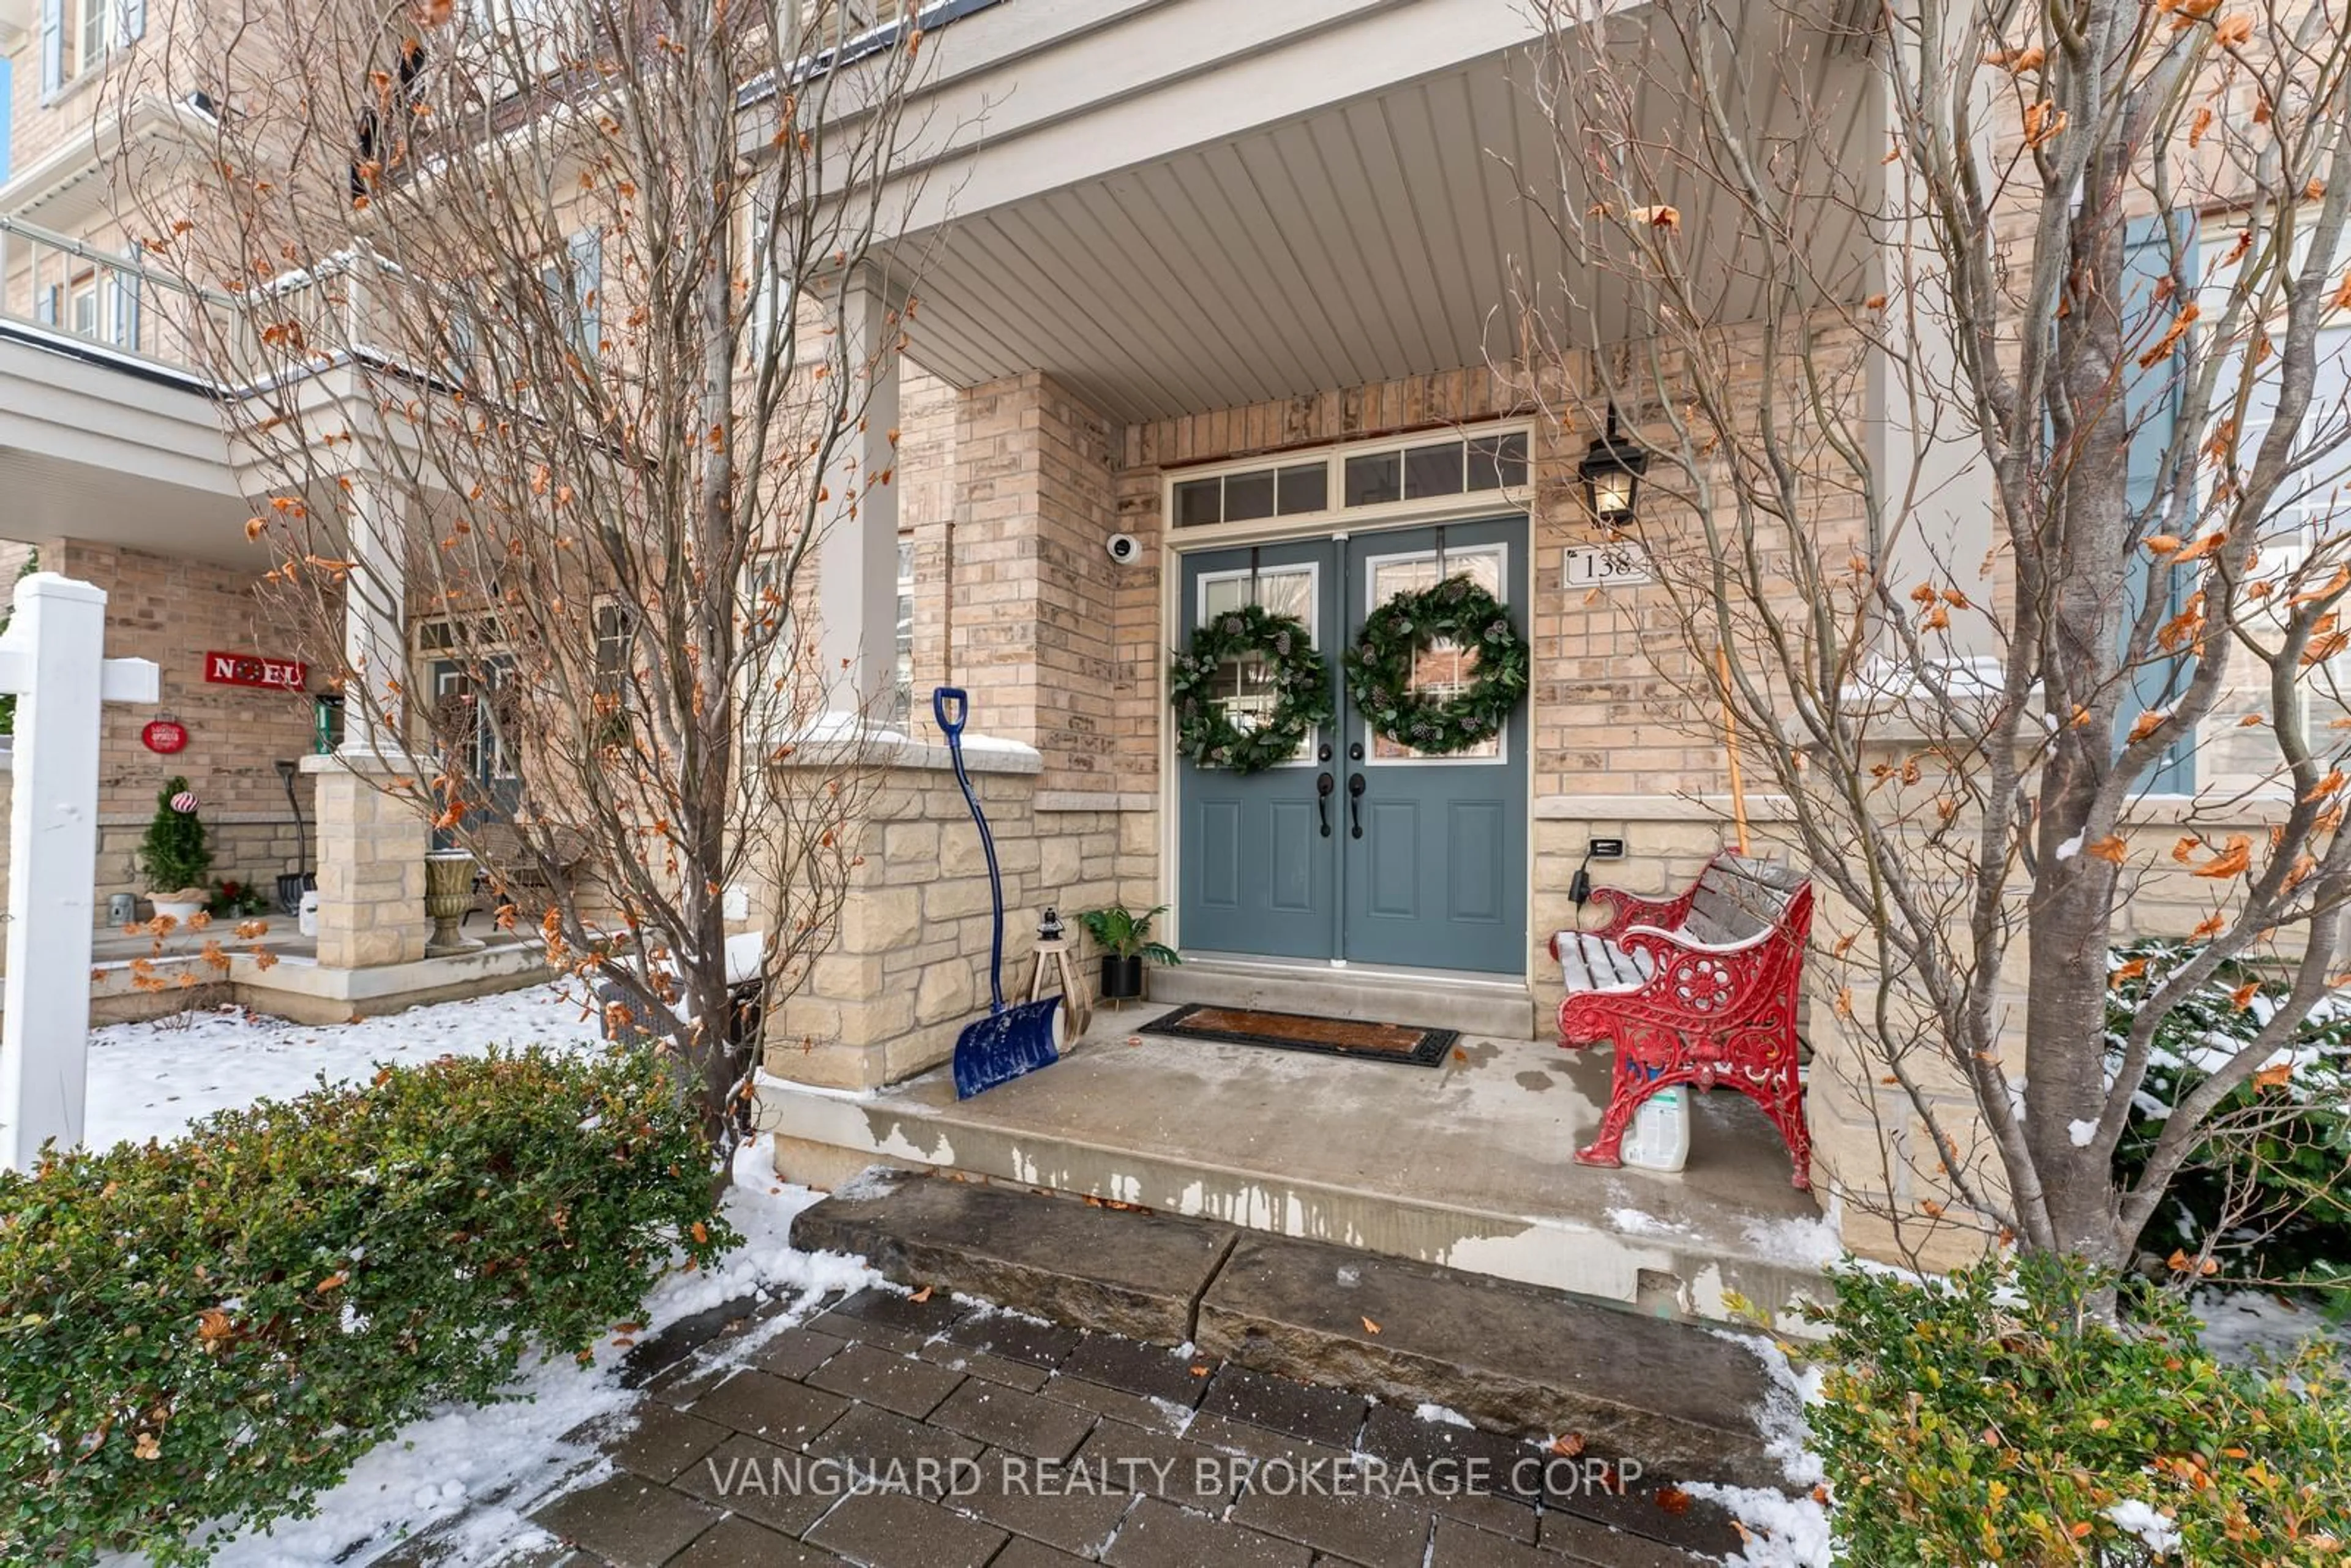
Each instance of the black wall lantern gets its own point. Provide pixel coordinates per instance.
(1612, 470)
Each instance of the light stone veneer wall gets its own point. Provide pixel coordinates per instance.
(909, 968)
(370, 867)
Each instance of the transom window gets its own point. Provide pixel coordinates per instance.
(1361, 475)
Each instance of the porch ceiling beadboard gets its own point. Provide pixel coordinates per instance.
(1373, 238)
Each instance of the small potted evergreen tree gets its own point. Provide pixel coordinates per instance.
(173, 857)
(1124, 938)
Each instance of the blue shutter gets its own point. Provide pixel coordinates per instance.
(2151, 408)
(7, 111)
(587, 286)
(53, 45)
(126, 310)
(45, 306)
(134, 20)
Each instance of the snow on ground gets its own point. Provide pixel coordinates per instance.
(448, 1462)
(1812, 1241)
(151, 1080)
(2240, 1324)
(1640, 1222)
(1782, 1532)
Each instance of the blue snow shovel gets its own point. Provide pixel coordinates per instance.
(1010, 1041)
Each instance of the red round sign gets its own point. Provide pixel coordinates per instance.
(165, 735)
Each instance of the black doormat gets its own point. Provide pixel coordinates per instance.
(1300, 1031)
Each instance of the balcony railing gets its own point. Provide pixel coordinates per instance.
(108, 307)
(77, 297)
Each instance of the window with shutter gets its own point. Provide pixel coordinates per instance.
(2151, 396)
(53, 45)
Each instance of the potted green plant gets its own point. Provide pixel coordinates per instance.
(173, 856)
(1124, 938)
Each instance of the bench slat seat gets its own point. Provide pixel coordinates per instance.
(1590, 962)
(1699, 988)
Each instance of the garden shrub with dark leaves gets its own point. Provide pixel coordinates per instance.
(1997, 1416)
(2268, 1195)
(201, 1335)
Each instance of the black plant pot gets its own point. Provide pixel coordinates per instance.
(1121, 978)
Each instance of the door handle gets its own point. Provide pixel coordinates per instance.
(1323, 785)
(1354, 805)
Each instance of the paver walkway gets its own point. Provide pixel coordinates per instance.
(932, 1433)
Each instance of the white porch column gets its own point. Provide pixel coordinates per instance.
(1924, 448)
(52, 658)
(857, 567)
(375, 631)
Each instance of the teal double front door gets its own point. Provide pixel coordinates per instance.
(1358, 849)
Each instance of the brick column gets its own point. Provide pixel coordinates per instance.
(370, 852)
(1032, 587)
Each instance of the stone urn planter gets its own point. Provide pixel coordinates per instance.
(448, 894)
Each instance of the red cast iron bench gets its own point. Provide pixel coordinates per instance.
(1701, 989)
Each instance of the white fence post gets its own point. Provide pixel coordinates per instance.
(50, 657)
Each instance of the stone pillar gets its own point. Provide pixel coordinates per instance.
(857, 563)
(372, 847)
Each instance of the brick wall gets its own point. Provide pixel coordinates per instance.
(1032, 591)
(174, 611)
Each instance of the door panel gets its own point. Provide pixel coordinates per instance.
(1255, 871)
(1294, 871)
(1475, 881)
(1219, 839)
(1438, 878)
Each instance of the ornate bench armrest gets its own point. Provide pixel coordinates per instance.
(1626, 910)
(1662, 944)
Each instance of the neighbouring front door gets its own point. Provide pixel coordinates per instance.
(1407, 860)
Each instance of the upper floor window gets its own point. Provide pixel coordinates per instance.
(77, 37)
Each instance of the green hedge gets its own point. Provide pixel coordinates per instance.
(1993, 1418)
(208, 1332)
(2267, 1190)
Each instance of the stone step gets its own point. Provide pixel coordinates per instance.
(1516, 1359)
(1499, 1007)
(1512, 1357)
(1138, 1275)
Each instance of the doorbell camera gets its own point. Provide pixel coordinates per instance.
(1124, 547)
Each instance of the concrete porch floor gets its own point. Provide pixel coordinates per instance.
(1468, 1164)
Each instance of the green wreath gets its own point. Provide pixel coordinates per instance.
(1380, 667)
(1301, 684)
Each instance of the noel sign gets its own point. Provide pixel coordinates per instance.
(254, 670)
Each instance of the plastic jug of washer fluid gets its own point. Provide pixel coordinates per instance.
(1660, 1137)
